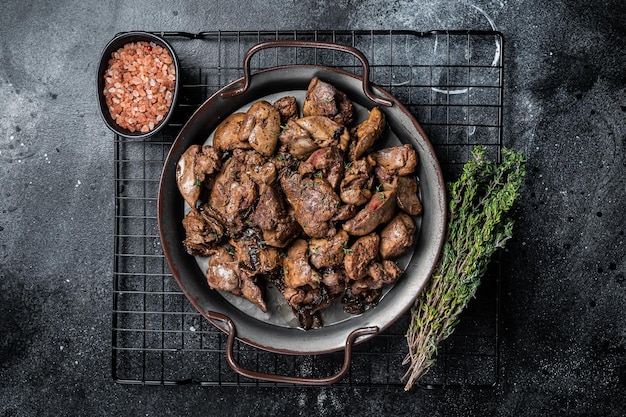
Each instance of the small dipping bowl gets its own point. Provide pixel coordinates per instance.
(115, 44)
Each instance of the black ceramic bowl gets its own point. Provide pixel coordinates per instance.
(115, 44)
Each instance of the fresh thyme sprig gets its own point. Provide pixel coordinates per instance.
(477, 202)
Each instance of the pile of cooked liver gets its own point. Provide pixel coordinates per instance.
(301, 201)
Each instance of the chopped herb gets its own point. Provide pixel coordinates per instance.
(197, 182)
(346, 249)
(347, 165)
(319, 174)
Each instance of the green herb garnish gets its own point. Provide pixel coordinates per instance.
(478, 203)
(346, 249)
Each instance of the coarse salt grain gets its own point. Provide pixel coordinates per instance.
(132, 87)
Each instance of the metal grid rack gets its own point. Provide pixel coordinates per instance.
(452, 81)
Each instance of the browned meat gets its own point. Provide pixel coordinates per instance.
(360, 295)
(261, 127)
(297, 141)
(203, 231)
(325, 162)
(261, 170)
(397, 160)
(397, 236)
(188, 184)
(393, 271)
(365, 286)
(306, 302)
(270, 209)
(328, 252)
(387, 181)
(376, 272)
(252, 253)
(194, 165)
(284, 160)
(287, 108)
(345, 213)
(356, 186)
(364, 293)
(367, 133)
(360, 255)
(379, 210)
(296, 267)
(208, 162)
(325, 132)
(323, 99)
(407, 195)
(226, 136)
(272, 217)
(234, 195)
(286, 230)
(224, 273)
(268, 260)
(386, 272)
(303, 136)
(314, 203)
(246, 249)
(306, 296)
(311, 195)
(251, 291)
(335, 281)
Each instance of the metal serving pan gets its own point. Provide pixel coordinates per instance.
(271, 331)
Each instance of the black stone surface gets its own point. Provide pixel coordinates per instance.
(563, 342)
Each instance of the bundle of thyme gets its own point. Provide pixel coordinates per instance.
(477, 226)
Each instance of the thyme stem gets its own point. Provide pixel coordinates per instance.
(477, 203)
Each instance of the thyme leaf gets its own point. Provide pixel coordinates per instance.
(477, 225)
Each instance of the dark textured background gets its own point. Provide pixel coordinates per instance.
(563, 342)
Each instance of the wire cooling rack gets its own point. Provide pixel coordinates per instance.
(451, 81)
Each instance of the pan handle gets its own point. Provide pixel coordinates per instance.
(288, 43)
(230, 357)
